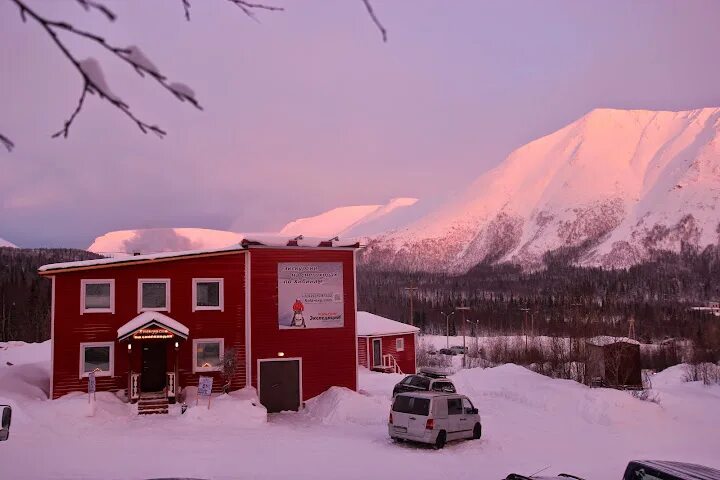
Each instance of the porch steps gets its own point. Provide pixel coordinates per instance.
(152, 403)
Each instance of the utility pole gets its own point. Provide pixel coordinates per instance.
(463, 309)
(526, 310)
(411, 292)
(447, 327)
(631, 327)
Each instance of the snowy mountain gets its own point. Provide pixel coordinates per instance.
(5, 243)
(155, 240)
(605, 190)
(349, 221)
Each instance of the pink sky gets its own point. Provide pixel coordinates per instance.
(309, 110)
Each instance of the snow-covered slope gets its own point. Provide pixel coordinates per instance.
(342, 220)
(607, 189)
(154, 240)
(5, 243)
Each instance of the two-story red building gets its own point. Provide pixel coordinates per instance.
(283, 310)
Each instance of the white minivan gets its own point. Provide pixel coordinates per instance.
(433, 417)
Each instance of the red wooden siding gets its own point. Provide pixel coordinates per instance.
(405, 358)
(362, 351)
(328, 354)
(71, 328)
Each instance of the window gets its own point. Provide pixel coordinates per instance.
(454, 406)
(97, 296)
(97, 357)
(207, 353)
(154, 295)
(399, 344)
(421, 382)
(467, 406)
(412, 405)
(445, 387)
(208, 294)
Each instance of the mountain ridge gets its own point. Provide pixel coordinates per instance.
(614, 185)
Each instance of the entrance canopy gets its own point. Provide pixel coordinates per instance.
(149, 325)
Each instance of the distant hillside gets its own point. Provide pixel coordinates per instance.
(24, 295)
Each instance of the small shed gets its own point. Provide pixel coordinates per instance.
(385, 345)
(613, 362)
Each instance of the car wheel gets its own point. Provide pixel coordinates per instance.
(398, 440)
(477, 431)
(440, 440)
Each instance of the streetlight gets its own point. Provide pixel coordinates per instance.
(447, 327)
(463, 309)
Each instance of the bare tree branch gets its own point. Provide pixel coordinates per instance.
(132, 56)
(375, 20)
(6, 142)
(90, 4)
(245, 6)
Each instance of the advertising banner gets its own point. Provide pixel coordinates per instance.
(205, 386)
(310, 295)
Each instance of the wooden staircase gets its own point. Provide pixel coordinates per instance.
(152, 402)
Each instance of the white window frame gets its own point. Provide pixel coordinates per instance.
(84, 345)
(143, 281)
(95, 281)
(400, 344)
(197, 369)
(221, 294)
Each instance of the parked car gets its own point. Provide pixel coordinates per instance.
(433, 418)
(423, 382)
(459, 350)
(447, 351)
(647, 470)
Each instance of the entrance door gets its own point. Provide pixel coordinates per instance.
(152, 378)
(279, 382)
(377, 352)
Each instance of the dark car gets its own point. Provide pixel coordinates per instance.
(647, 470)
(447, 351)
(423, 383)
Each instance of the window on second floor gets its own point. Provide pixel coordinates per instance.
(97, 296)
(208, 294)
(154, 295)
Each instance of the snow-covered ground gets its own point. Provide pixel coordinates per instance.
(529, 422)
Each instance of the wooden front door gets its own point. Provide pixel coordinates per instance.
(279, 384)
(154, 359)
(377, 352)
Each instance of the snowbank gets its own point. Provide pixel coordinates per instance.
(238, 409)
(340, 406)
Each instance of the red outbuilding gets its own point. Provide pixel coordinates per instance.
(385, 345)
(283, 311)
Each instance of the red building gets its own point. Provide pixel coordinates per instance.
(153, 324)
(385, 345)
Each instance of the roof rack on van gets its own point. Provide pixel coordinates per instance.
(432, 372)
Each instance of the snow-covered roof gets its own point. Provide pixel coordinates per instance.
(147, 319)
(135, 258)
(604, 340)
(369, 324)
(247, 242)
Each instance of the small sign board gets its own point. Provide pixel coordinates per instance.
(204, 388)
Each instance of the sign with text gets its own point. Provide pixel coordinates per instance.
(152, 333)
(310, 295)
(205, 386)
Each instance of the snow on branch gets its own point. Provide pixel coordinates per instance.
(89, 69)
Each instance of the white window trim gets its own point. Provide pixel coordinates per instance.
(84, 345)
(400, 344)
(197, 369)
(142, 281)
(221, 296)
(95, 281)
